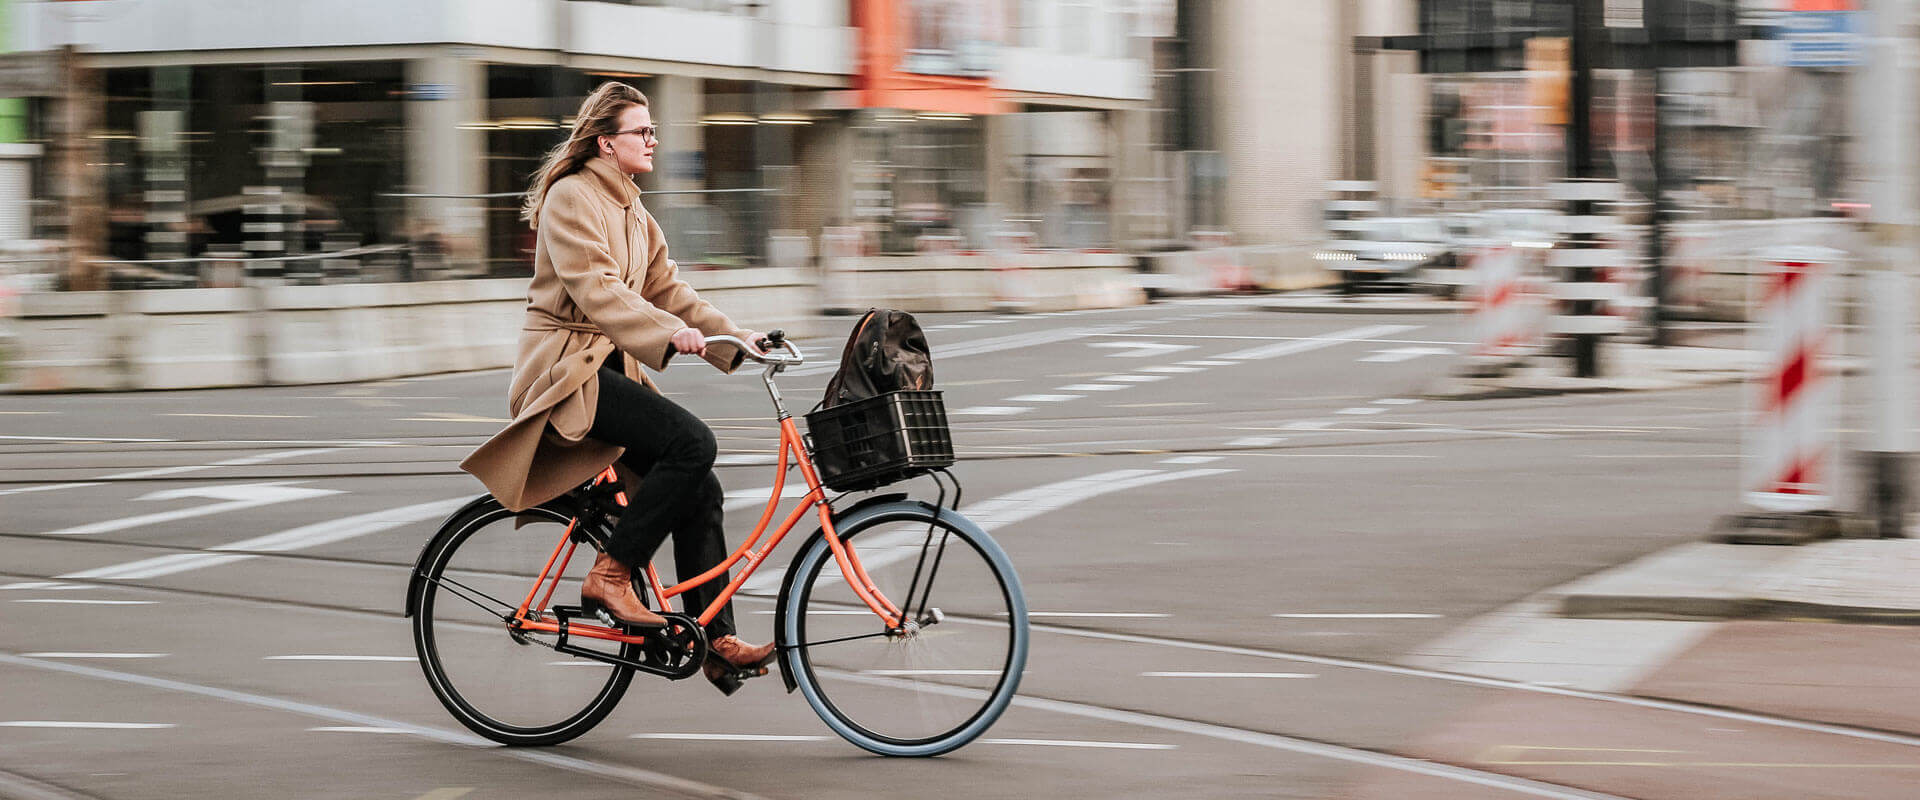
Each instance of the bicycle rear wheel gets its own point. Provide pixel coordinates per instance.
(506, 685)
(941, 682)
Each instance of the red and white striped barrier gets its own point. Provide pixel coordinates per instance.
(1225, 269)
(1791, 457)
(1509, 312)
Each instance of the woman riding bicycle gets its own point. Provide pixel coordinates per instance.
(604, 302)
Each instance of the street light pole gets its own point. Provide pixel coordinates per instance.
(1883, 114)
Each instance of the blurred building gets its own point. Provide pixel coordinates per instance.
(302, 125)
(1276, 99)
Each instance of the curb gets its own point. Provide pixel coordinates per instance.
(1705, 581)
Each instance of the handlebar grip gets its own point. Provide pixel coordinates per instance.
(775, 338)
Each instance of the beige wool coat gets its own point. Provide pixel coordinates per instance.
(601, 280)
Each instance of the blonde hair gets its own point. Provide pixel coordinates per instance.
(599, 115)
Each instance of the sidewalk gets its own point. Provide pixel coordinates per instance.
(1626, 368)
(1850, 580)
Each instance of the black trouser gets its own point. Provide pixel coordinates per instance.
(679, 493)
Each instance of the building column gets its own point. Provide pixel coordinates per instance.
(446, 154)
(678, 103)
(1002, 168)
(1132, 175)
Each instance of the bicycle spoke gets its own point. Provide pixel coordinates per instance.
(443, 582)
(804, 645)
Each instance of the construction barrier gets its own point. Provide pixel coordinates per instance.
(1509, 311)
(1013, 287)
(1227, 271)
(1791, 457)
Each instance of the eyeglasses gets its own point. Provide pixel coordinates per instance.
(648, 133)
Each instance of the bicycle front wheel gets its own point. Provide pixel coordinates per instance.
(949, 673)
(509, 686)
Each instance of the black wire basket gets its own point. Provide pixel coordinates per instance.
(883, 439)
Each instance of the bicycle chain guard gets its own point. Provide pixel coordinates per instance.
(673, 652)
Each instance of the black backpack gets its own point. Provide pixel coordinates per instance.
(887, 352)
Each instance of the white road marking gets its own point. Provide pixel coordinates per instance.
(79, 602)
(1132, 378)
(988, 673)
(291, 539)
(1076, 743)
(82, 439)
(1044, 398)
(1228, 675)
(995, 513)
(54, 723)
(25, 413)
(1190, 460)
(1397, 401)
(990, 411)
(1360, 411)
(1256, 441)
(745, 459)
(47, 488)
(358, 729)
(238, 496)
(1097, 614)
(244, 461)
(600, 770)
(47, 586)
(1207, 363)
(1268, 740)
(1285, 348)
(757, 498)
(1141, 349)
(1307, 425)
(1359, 615)
(242, 416)
(1405, 354)
(1092, 387)
(731, 737)
(400, 659)
(93, 655)
(1174, 370)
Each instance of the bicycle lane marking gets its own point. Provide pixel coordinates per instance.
(300, 538)
(999, 512)
(624, 774)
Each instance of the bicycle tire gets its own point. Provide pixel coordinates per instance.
(806, 601)
(458, 530)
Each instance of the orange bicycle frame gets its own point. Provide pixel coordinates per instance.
(530, 616)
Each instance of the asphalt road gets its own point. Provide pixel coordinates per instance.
(1232, 525)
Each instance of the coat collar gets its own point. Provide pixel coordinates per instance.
(617, 185)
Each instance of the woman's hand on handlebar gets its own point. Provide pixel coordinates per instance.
(756, 341)
(689, 341)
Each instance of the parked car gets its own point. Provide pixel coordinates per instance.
(1386, 251)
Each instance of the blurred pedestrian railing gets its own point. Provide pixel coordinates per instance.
(42, 266)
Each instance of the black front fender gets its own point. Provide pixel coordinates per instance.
(418, 575)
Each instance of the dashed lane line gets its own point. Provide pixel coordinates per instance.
(1307, 747)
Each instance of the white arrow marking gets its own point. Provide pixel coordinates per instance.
(1287, 348)
(1406, 354)
(237, 495)
(1141, 349)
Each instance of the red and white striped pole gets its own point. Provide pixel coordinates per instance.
(1792, 457)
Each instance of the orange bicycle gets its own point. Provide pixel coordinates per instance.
(886, 662)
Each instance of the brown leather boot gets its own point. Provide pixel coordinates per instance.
(609, 587)
(729, 660)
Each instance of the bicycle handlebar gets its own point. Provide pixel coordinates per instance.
(793, 357)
